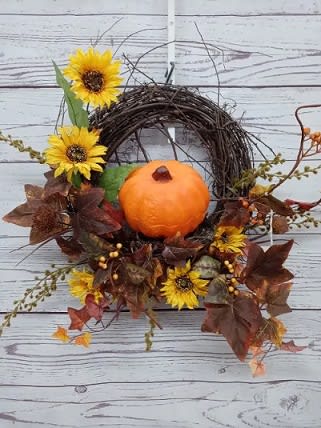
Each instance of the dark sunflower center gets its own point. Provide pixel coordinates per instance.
(76, 153)
(224, 238)
(183, 283)
(93, 81)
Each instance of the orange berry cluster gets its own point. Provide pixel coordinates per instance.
(257, 219)
(102, 261)
(232, 282)
(315, 137)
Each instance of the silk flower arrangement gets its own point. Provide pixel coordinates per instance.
(141, 234)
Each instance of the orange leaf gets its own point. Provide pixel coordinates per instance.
(61, 334)
(83, 340)
(257, 367)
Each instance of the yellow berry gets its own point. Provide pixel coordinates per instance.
(119, 245)
(111, 254)
(102, 265)
(231, 289)
(115, 276)
(230, 266)
(234, 281)
(226, 262)
(116, 254)
(102, 259)
(236, 292)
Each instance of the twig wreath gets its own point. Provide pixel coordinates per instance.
(144, 233)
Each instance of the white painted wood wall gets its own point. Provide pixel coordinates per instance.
(272, 64)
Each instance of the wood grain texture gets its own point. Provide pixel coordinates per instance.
(178, 404)
(153, 7)
(257, 49)
(31, 115)
(180, 352)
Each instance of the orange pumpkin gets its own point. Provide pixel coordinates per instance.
(163, 198)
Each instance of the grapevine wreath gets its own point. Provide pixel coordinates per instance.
(143, 232)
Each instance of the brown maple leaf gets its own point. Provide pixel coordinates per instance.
(45, 215)
(238, 321)
(266, 268)
(56, 184)
(177, 249)
(89, 216)
(78, 318)
(291, 347)
(95, 309)
(70, 247)
(234, 215)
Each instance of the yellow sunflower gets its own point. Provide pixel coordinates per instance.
(229, 239)
(81, 284)
(94, 76)
(182, 287)
(73, 150)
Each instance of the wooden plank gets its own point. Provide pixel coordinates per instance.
(178, 404)
(26, 53)
(304, 261)
(183, 7)
(257, 50)
(83, 7)
(247, 7)
(29, 356)
(268, 113)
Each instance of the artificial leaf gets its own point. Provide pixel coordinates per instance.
(95, 309)
(279, 207)
(256, 351)
(61, 334)
(257, 367)
(234, 215)
(78, 116)
(157, 272)
(178, 249)
(83, 340)
(101, 276)
(238, 321)
(279, 224)
(135, 297)
(54, 184)
(78, 318)
(275, 295)
(217, 292)
(70, 247)
(23, 214)
(273, 330)
(136, 274)
(265, 268)
(207, 267)
(291, 347)
(48, 219)
(89, 217)
(302, 206)
(115, 213)
(112, 179)
(94, 245)
(142, 254)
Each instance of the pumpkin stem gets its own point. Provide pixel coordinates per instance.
(162, 174)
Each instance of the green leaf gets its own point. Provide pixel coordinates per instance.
(207, 267)
(112, 179)
(76, 180)
(77, 114)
